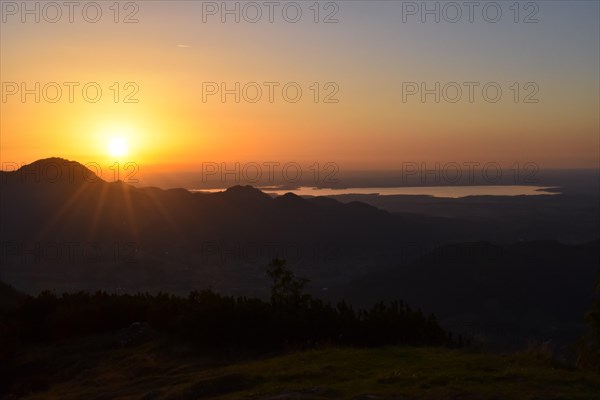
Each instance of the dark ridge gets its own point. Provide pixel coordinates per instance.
(290, 198)
(52, 170)
(323, 201)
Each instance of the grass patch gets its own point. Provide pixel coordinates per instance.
(150, 371)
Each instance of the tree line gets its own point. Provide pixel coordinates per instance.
(290, 319)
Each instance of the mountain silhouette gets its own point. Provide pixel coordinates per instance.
(539, 289)
(56, 212)
(171, 229)
(51, 171)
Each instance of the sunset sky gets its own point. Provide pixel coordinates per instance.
(178, 48)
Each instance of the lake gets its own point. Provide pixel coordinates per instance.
(434, 191)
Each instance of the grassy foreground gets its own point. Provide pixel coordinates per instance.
(158, 370)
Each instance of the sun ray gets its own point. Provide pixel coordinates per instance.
(129, 211)
(97, 212)
(62, 213)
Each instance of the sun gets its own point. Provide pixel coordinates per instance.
(117, 146)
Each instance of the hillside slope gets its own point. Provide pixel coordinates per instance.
(156, 370)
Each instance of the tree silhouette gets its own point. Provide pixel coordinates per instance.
(287, 290)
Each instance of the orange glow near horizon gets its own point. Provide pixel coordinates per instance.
(152, 93)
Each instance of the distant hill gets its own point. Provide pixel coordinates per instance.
(149, 237)
(508, 292)
(50, 171)
(573, 216)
